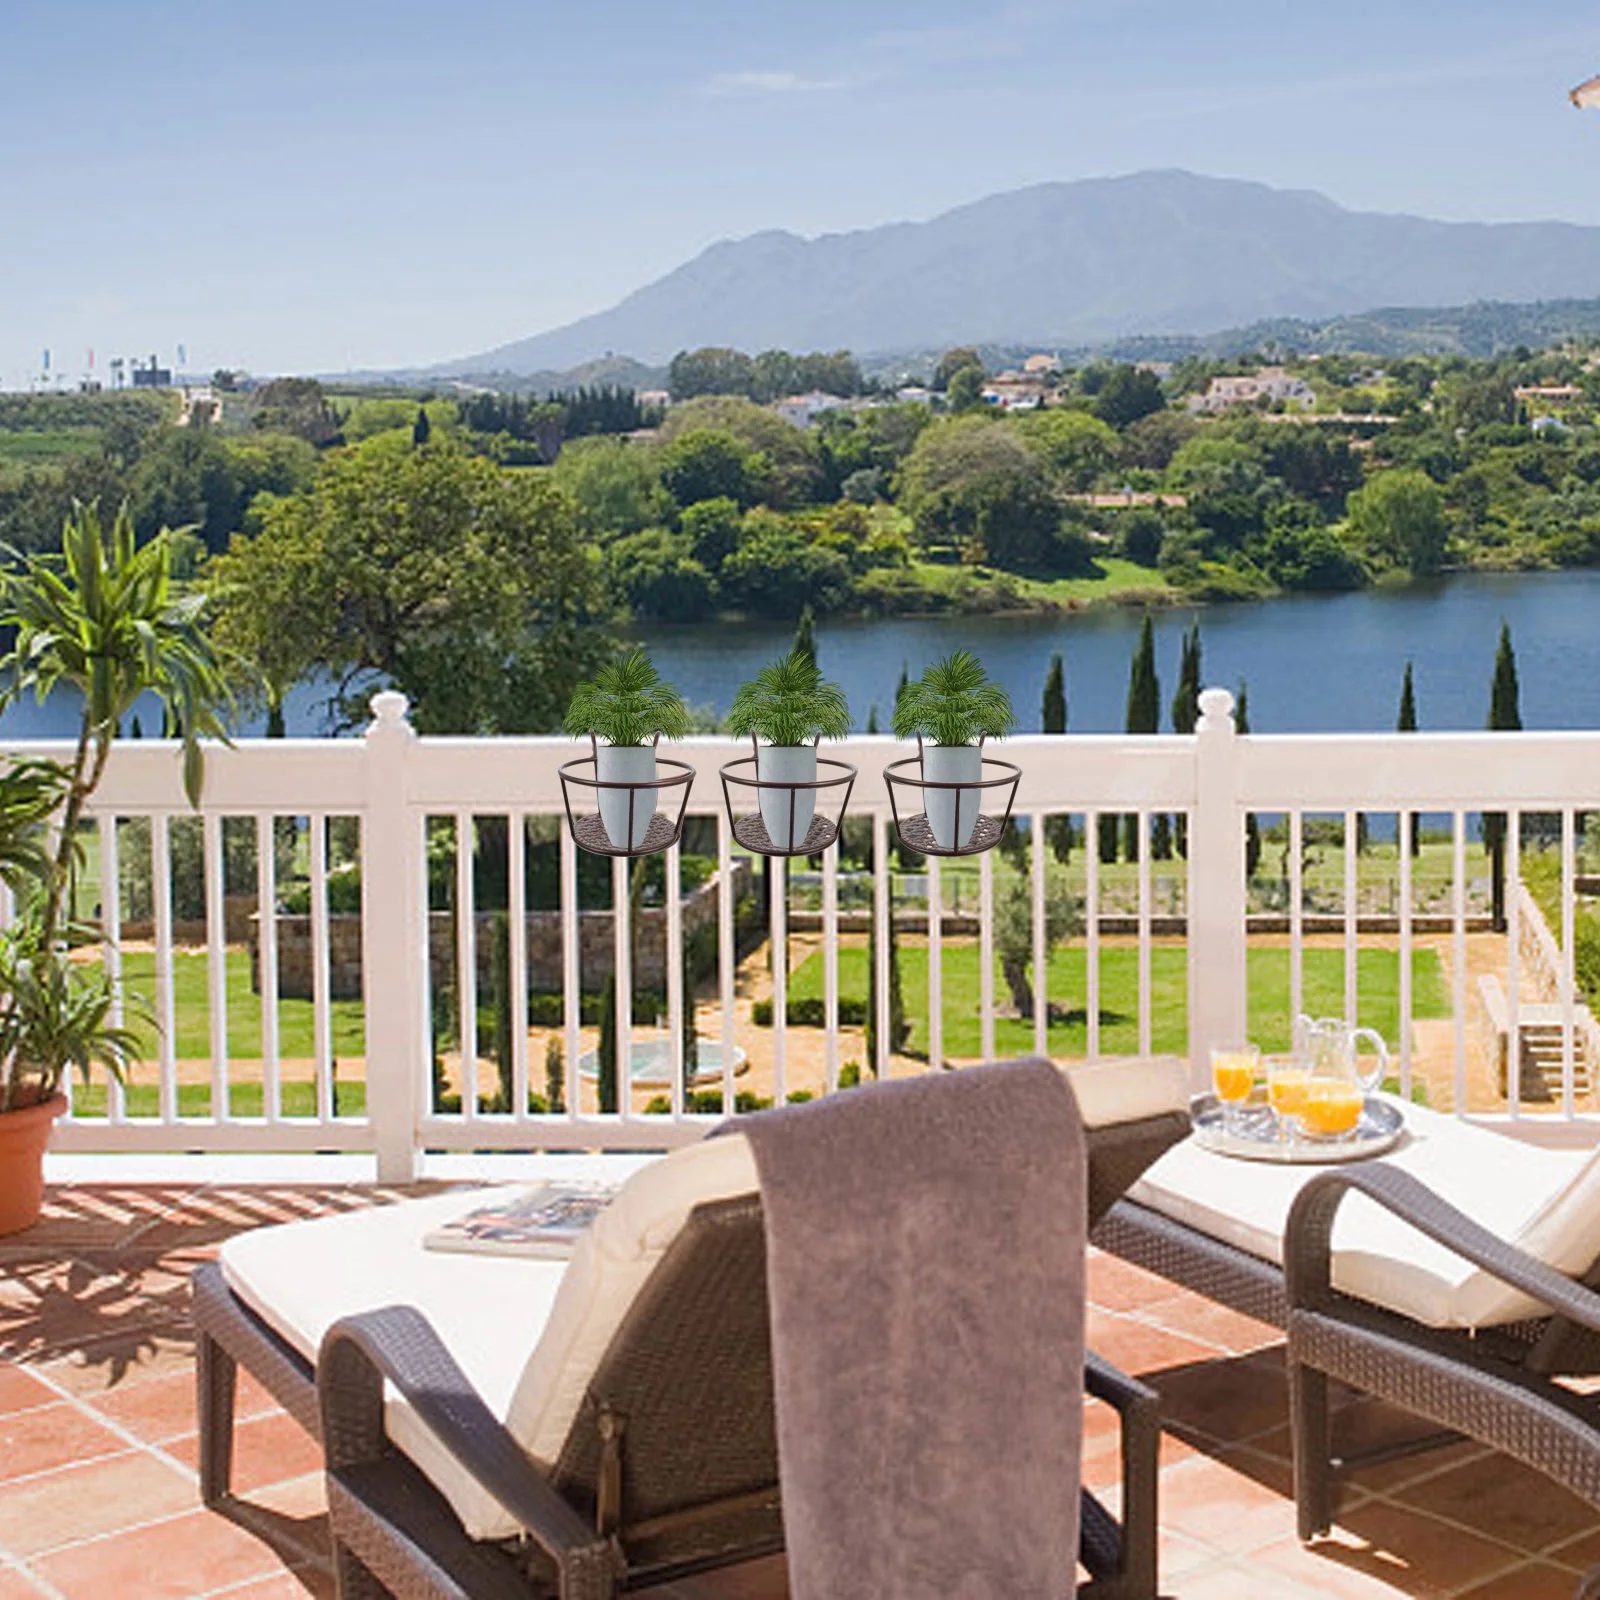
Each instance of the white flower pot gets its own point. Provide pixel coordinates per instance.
(626, 763)
(787, 764)
(952, 813)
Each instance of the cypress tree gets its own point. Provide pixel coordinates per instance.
(1144, 715)
(421, 429)
(872, 718)
(1252, 829)
(691, 1029)
(1053, 719)
(606, 1050)
(500, 999)
(805, 634)
(1406, 722)
(1186, 713)
(1505, 716)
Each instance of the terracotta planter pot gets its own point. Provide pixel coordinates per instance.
(23, 1137)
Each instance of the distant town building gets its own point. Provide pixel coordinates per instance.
(653, 399)
(1161, 369)
(1010, 391)
(1538, 395)
(915, 394)
(801, 410)
(152, 377)
(1270, 384)
(1039, 363)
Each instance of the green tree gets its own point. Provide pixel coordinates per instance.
(555, 1074)
(414, 566)
(1144, 715)
(656, 572)
(965, 390)
(805, 634)
(606, 1048)
(1128, 394)
(1399, 516)
(298, 406)
(899, 1023)
(1013, 931)
(187, 478)
(705, 464)
(710, 370)
(1053, 719)
(1186, 713)
(712, 529)
(615, 484)
(777, 569)
(421, 429)
(1252, 828)
(1077, 447)
(953, 361)
(1406, 722)
(1505, 716)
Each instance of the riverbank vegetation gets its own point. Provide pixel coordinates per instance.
(386, 531)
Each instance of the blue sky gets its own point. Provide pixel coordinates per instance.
(311, 186)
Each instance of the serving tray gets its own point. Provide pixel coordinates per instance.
(1381, 1126)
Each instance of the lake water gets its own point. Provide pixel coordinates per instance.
(1314, 664)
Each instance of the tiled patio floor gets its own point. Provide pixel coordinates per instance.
(97, 1442)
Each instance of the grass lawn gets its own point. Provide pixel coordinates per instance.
(299, 1099)
(1114, 579)
(192, 1007)
(1377, 974)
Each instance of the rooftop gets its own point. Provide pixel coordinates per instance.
(98, 1448)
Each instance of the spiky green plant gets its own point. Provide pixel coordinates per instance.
(627, 703)
(788, 703)
(954, 702)
(106, 618)
(56, 1014)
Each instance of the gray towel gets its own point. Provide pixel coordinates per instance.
(925, 1245)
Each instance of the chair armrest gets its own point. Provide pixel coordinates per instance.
(399, 1344)
(1123, 1558)
(1308, 1240)
(1122, 1393)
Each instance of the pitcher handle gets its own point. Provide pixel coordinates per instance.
(1370, 1081)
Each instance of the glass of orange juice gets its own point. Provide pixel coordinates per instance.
(1233, 1076)
(1287, 1081)
(1331, 1108)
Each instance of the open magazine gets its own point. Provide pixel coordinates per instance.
(546, 1221)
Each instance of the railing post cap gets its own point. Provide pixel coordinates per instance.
(1216, 710)
(389, 709)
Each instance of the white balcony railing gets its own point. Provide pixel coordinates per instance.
(1184, 942)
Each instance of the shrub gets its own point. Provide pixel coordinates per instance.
(807, 1011)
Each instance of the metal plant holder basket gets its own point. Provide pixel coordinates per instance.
(588, 829)
(821, 829)
(909, 786)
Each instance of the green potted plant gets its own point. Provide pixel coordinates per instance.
(101, 620)
(626, 707)
(953, 706)
(790, 706)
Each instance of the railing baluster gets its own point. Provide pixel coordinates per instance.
(216, 962)
(726, 954)
(1407, 1000)
(935, 964)
(622, 955)
(466, 966)
(571, 993)
(1091, 952)
(1513, 962)
(267, 959)
(986, 951)
(1041, 952)
(830, 965)
(111, 948)
(1297, 917)
(880, 905)
(1144, 933)
(321, 984)
(1566, 985)
(779, 868)
(676, 999)
(166, 1009)
(1352, 913)
(517, 956)
(1459, 983)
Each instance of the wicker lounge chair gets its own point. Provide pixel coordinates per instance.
(700, 1485)
(1456, 1284)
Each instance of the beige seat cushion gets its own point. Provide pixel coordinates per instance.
(1128, 1091)
(490, 1311)
(1545, 1201)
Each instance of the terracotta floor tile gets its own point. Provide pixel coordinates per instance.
(295, 1585)
(21, 1389)
(754, 1580)
(1138, 1348)
(1221, 1506)
(1436, 1558)
(1211, 1323)
(291, 1517)
(1120, 1286)
(188, 1555)
(16, 1585)
(83, 1501)
(1342, 1567)
(267, 1449)
(1503, 1500)
(162, 1407)
(1537, 1581)
(1581, 1553)
(122, 1360)
(1225, 1398)
(1238, 1581)
(54, 1436)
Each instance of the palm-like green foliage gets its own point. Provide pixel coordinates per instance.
(105, 618)
(30, 791)
(954, 702)
(788, 703)
(626, 702)
(56, 1014)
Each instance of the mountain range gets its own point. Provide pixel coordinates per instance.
(1069, 265)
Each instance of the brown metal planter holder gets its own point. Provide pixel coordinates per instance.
(587, 828)
(751, 831)
(916, 833)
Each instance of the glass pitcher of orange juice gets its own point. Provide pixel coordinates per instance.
(1329, 1051)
